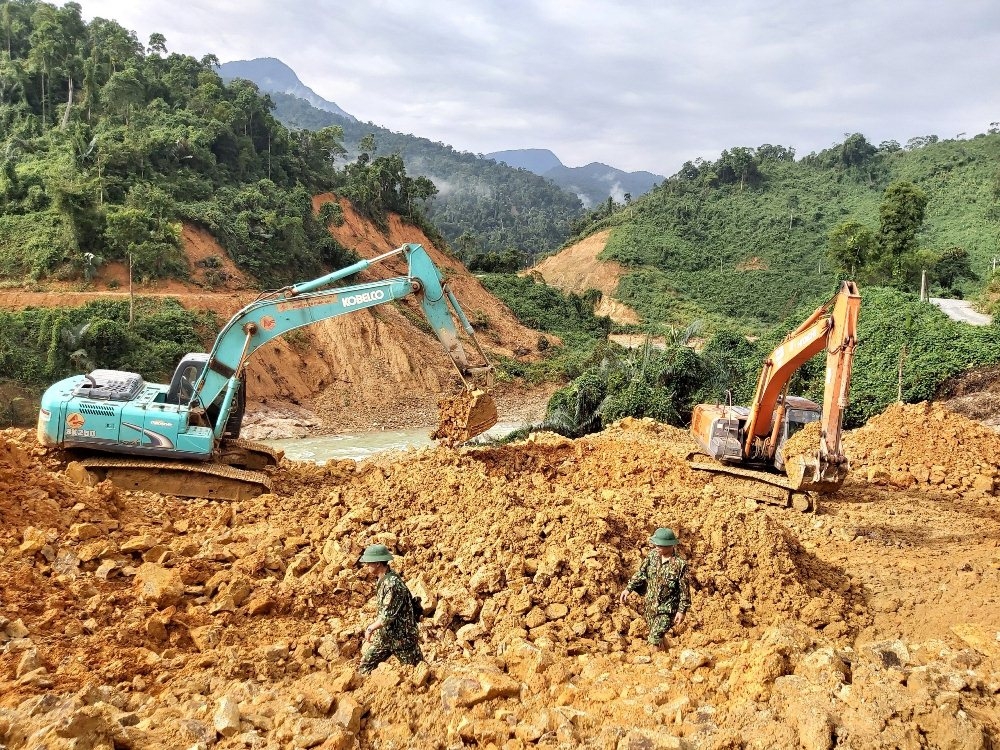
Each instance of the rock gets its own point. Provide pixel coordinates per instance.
(82, 531)
(421, 674)
(260, 604)
(348, 714)
(78, 474)
(891, 653)
(469, 633)
(952, 730)
(159, 585)
(346, 679)
(648, 739)
(28, 662)
(535, 618)
(275, 652)
(477, 684)
(988, 644)
(556, 611)
(824, 667)
(34, 540)
(16, 629)
(692, 659)
(206, 638)
(104, 569)
(227, 717)
(384, 677)
(139, 544)
(197, 731)
(66, 563)
(525, 659)
(317, 700)
(520, 603)
(37, 678)
(89, 725)
(815, 728)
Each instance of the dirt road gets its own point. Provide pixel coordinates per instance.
(961, 310)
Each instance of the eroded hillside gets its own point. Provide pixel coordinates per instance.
(372, 368)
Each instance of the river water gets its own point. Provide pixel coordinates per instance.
(360, 445)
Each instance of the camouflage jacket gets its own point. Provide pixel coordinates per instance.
(395, 606)
(666, 583)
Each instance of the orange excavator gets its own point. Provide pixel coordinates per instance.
(751, 442)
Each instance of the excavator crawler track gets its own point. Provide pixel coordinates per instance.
(182, 478)
(761, 486)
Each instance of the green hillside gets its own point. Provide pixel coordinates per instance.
(747, 237)
(495, 217)
(107, 145)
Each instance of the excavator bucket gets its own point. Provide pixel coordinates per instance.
(810, 474)
(462, 417)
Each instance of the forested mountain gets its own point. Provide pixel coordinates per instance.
(106, 144)
(537, 160)
(272, 75)
(752, 234)
(593, 183)
(495, 217)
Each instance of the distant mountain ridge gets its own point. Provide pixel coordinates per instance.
(272, 75)
(592, 183)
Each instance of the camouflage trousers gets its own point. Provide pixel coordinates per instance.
(382, 647)
(659, 626)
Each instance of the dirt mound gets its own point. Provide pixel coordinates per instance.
(577, 269)
(925, 446)
(155, 621)
(32, 496)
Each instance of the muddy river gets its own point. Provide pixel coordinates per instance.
(360, 445)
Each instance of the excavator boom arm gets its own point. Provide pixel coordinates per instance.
(299, 305)
(832, 326)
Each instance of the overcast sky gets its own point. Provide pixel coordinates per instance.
(641, 84)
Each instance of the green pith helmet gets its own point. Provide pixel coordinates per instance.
(663, 538)
(376, 553)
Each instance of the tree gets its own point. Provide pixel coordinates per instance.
(855, 151)
(901, 214)
(953, 265)
(157, 44)
(850, 247)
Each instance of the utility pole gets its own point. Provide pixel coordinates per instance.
(923, 287)
(131, 299)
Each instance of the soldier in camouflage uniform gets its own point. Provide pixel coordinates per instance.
(394, 631)
(662, 579)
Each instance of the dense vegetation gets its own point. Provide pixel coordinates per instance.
(545, 308)
(750, 235)
(495, 217)
(907, 349)
(106, 145)
(39, 347)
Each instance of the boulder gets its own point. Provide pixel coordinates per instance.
(476, 684)
(158, 585)
(348, 714)
(227, 717)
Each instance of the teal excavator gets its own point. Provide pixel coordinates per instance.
(184, 438)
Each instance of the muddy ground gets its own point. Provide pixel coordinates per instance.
(133, 620)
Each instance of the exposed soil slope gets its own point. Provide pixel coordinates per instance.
(136, 620)
(380, 367)
(577, 269)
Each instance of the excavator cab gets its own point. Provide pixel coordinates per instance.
(798, 413)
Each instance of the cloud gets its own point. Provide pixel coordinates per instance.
(641, 85)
